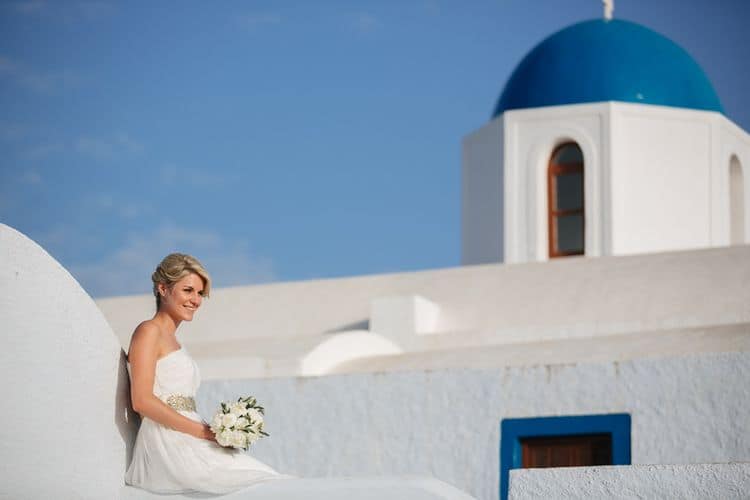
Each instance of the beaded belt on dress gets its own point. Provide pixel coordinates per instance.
(180, 402)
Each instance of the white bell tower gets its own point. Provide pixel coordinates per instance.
(608, 139)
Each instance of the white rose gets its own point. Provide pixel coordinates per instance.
(255, 416)
(239, 439)
(228, 419)
(224, 438)
(242, 422)
(216, 422)
(237, 409)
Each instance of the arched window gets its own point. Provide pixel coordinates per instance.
(565, 201)
(736, 203)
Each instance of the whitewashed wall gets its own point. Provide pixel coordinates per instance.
(733, 142)
(716, 481)
(65, 427)
(446, 423)
(661, 178)
(283, 326)
(482, 182)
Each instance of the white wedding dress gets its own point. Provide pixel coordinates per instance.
(170, 461)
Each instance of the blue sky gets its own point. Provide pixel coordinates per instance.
(276, 140)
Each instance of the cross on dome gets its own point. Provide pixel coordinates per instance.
(609, 7)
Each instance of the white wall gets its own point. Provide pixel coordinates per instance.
(661, 178)
(482, 190)
(719, 481)
(446, 423)
(734, 144)
(269, 330)
(66, 427)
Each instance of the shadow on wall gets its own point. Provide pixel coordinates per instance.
(357, 325)
(126, 419)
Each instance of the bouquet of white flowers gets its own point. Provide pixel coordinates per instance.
(238, 424)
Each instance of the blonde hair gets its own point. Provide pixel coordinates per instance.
(173, 268)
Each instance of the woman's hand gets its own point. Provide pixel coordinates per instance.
(205, 432)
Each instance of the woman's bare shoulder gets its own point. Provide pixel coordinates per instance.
(148, 325)
(146, 335)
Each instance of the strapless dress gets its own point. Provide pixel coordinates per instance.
(169, 461)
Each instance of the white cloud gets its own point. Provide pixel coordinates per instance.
(127, 270)
(364, 22)
(42, 83)
(31, 177)
(11, 131)
(93, 10)
(432, 7)
(66, 235)
(108, 147)
(31, 7)
(171, 174)
(128, 143)
(97, 148)
(69, 11)
(100, 201)
(133, 210)
(42, 150)
(106, 202)
(6, 66)
(257, 19)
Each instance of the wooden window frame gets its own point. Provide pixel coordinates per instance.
(596, 447)
(555, 170)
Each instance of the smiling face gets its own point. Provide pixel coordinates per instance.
(182, 299)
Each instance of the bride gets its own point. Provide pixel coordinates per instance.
(175, 450)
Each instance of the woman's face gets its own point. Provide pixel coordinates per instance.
(184, 298)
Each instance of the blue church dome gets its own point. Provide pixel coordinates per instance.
(608, 60)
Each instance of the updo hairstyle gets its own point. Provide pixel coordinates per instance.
(173, 268)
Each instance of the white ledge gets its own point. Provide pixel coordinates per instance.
(343, 488)
(720, 481)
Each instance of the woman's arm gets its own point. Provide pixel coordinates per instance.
(142, 356)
